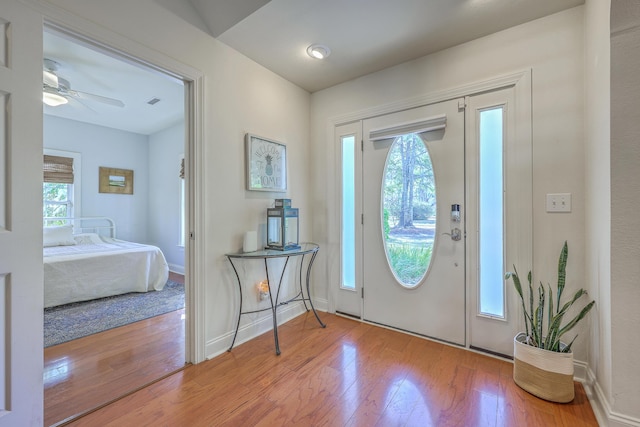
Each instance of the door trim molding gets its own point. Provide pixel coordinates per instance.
(469, 89)
(81, 30)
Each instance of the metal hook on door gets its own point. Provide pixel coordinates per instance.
(456, 234)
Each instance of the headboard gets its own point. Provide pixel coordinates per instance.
(101, 225)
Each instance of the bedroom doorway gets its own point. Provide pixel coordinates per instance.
(117, 113)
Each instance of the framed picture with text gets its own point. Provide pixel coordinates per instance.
(266, 164)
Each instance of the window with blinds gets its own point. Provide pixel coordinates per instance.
(57, 188)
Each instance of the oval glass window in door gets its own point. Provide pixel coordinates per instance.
(408, 209)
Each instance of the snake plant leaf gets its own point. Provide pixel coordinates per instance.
(568, 304)
(567, 348)
(531, 299)
(576, 319)
(562, 270)
(518, 286)
(550, 318)
(552, 332)
(539, 317)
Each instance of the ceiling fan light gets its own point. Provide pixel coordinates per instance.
(318, 51)
(53, 99)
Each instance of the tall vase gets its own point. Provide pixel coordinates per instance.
(543, 373)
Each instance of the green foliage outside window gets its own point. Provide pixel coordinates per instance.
(409, 262)
(55, 200)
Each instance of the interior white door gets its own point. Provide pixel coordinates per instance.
(435, 305)
(21, 276)
(499, 192)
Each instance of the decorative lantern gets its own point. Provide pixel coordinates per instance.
(282, 226)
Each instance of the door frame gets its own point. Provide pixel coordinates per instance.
(128, 50)
(521, 81)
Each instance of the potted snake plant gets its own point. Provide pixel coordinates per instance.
(543, 364)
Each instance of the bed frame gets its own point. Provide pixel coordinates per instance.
(102, 225)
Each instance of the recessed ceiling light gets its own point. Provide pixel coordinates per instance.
(318, 51)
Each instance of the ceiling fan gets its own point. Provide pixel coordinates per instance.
(57, 90)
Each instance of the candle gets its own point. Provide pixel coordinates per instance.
(250, 243)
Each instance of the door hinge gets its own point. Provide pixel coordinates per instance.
(462, 103)
(362, 145)
(362, 293)
(361, 219)
(192, 235)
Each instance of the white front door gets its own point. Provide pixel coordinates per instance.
(21, 272)
(413, 247)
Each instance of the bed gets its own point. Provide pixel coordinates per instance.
(83, 260)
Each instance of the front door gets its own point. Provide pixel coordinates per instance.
(21, 295)
(414, 222)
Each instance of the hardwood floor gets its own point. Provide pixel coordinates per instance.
(83, 374)
(349, 374)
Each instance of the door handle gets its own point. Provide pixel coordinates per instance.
(456, 234)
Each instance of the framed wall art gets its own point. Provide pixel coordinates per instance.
(266, 164)
(118, 181)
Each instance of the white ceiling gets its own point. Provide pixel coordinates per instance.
(364, 36)
(89, 70)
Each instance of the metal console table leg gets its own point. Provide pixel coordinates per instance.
(306, 248)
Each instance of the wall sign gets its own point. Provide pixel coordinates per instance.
(266, 164)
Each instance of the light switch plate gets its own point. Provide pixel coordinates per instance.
(559, 202)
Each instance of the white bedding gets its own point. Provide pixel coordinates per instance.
(99, 266)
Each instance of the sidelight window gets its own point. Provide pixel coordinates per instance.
(491, 204)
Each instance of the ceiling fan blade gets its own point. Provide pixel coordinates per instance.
(77, 102)
(49, 79)
(98, 98)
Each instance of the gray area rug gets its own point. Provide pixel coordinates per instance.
(79, 319)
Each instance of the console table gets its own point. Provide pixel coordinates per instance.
(310, 249)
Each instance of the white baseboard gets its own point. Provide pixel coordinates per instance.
(601, 407)
(219, 345)
(580, 370)
(321, 304)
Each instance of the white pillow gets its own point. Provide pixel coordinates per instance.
(58, 236)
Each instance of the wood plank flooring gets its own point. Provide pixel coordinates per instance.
(83, 374)
(349, 374)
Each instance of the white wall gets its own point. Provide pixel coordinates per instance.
(165, 151)
(625, 203)
(240, 96)
(598, 194)
(553, 48)
(101, 146)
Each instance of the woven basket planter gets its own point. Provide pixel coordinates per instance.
(543, 373)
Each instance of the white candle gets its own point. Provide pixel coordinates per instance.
(250, 243)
